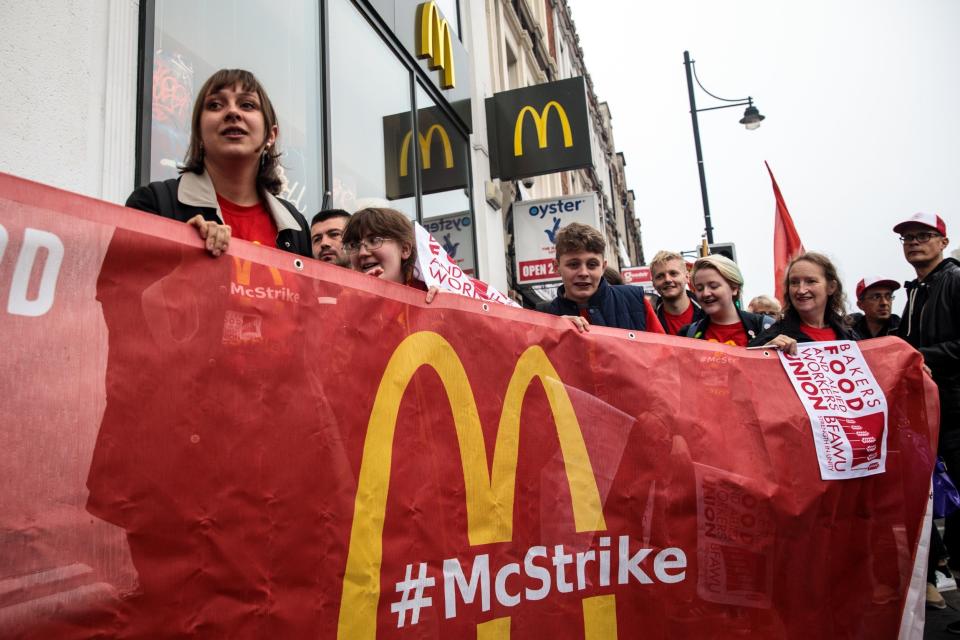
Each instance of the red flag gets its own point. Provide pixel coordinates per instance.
(786, 240)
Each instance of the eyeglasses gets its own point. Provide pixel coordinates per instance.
(877, 297)
(919, 238)
(374, 242)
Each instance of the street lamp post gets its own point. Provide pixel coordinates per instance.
(751, 120)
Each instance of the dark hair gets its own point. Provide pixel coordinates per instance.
(326, 214)
(579, 237)
(269, 177)
(386, 223)
(836, 302)
(612, 276)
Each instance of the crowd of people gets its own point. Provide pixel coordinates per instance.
(231, 178)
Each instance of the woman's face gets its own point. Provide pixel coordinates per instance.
(809, 290)
(381, 257)
(232, 126)
(714, 294)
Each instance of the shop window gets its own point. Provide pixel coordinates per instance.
(445, 183)
(278, 42)
(370, 113)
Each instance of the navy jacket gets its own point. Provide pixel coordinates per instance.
(613, 305)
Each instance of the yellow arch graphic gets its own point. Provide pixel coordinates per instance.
(489, 497)
(425, 148)
(242, 269)
(540, 122)
(436, 42)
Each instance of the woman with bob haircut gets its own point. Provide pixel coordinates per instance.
(381, 242)
(718, 284)
(813, 308)
(231, 174)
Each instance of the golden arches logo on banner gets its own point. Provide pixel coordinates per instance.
(425, 148)
(489, 496)
(242, 269)
(540, 122)
(436, 43)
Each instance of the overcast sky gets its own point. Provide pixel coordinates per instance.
(861, 98)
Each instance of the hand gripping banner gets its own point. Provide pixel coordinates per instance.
(259, 445)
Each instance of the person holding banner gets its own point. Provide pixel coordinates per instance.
(813, 308)
(585, 298)
(718, 283)
(231, 174)
(676, 307)
(381, 242)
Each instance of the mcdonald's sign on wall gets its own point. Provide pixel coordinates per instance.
(441, 147)
(540, 129)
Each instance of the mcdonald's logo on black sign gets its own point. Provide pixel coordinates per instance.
(540, 129)
(439, 145)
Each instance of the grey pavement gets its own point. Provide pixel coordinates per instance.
(937, 620)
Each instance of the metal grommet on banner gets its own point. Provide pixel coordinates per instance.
(485, 307)
(298, 263)
(766, 354)
(632, 335)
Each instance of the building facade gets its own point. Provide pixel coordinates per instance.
(99, 98)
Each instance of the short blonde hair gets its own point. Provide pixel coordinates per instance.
(664, 257)
(726, 267)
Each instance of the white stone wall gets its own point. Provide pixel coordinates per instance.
(68, 69)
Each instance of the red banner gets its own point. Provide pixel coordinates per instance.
(258, 446)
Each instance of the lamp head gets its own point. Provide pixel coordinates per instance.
(752, 118)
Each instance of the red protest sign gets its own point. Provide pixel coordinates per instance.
(252, 446)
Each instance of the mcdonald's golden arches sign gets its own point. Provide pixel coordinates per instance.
(439, 145)
(540, 129)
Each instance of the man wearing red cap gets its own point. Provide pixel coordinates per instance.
(931, 323)
(875, 299)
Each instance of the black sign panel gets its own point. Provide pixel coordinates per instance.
(442, 148)
(540, 129)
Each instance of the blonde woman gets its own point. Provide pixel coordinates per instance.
(718, 283)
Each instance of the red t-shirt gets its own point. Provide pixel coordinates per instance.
(732, 334)
(253, 223)
(677, 322)
(819, 335)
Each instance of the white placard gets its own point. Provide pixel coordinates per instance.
(846, 406)
(436, 269)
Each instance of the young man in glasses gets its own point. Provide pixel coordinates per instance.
(931, 323)
(875, 300)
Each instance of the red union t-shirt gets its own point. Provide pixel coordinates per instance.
(819, 335)
(732, 334)
(253, 223)
(677, 322)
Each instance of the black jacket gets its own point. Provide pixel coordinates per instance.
(858, 324)
(754, 324)
(790, 326)
(931, 319)
(612, 305)
(698, 313)
(163, 198)
(931, 323)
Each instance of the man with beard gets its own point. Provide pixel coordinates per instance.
(326, 231)
(677, 307)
